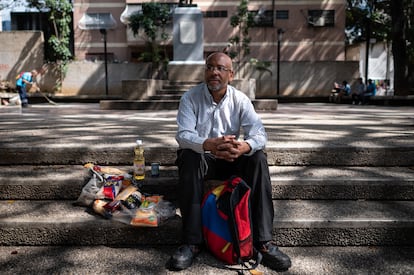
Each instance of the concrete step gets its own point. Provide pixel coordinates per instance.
(165, 97)
(85, 151)
(171, 90)
(139, 104)
(10, 109)
(55, 182)
(296, 223)
(107, 260)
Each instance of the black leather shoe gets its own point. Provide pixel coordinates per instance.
(273, 257)
(183, 257)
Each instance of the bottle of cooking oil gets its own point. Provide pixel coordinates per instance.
(139, 161)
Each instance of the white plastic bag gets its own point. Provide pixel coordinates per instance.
(89, 192)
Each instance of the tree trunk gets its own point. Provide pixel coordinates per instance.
(399, 48)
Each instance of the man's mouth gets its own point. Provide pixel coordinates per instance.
(214, 80)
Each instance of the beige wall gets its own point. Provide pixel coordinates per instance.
(20, 51)
(305, 78)
(91, 41)
(300, 41)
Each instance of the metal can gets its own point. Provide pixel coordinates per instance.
(155, 169)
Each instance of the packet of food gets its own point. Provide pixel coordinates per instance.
(153, 198)
(112, 186)
(145, 218)
(133, 201)
(127, 180)
(126, 192)
(112, 206)
(105, 169)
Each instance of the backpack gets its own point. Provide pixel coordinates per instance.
(227, 223)
(19, 75)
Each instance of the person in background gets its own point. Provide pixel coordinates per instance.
(344, 91)
(21, 85)
(357, 95)
(340, 91)
(370, 91)
(209, 119)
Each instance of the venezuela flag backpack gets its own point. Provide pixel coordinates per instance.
(227, 222)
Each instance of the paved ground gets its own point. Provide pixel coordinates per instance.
(312, 125)
(151, 260)
(292, 124)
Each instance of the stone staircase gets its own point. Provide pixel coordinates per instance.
(173, 90)
(331, 192)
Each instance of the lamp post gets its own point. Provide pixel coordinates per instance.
(279, 39)
(103, 32)
(101, 22)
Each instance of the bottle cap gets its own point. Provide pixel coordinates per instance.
(139, 142)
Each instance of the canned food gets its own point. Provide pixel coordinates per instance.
(155, 169)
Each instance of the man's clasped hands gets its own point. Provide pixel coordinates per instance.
(226, 147)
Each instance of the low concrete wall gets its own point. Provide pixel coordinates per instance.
(247, 86)
(140, 89)
(296, 78)
(88, 78)
(300, 78)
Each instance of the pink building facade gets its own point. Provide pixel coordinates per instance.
(312, 30)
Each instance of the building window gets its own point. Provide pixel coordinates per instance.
(263, 18)
(321, 18)
(29, 20)
(215, 14)
(282, 14)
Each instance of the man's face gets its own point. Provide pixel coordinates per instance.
(218, 72)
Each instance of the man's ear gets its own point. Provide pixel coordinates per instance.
(231, 76)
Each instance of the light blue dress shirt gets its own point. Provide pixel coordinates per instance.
(199, 118)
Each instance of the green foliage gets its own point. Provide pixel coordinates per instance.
(373, 18)
(243, 20)
(153, 21)
(60, 16)
(372, 15)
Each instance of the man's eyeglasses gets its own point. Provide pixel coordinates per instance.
(220, 69)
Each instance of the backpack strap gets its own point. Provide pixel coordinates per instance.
(257, 259)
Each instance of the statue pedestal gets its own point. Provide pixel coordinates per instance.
(188, 34)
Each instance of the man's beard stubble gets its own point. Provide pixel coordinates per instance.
(214, 88)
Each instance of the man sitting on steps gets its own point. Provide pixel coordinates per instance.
(209, 119)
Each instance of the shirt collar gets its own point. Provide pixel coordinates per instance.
(210, 97)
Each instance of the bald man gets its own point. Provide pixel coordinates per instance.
(210, 118)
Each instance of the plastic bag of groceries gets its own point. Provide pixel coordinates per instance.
(106, 182)
(90, 191)
(133, 208)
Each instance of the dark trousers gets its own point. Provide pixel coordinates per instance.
(23, 94)
(253, 170)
